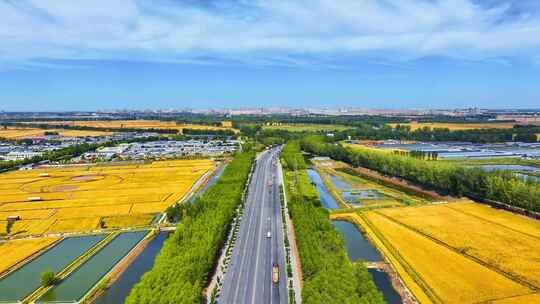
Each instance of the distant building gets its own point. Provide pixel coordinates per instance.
(21, 155)
(524, 119)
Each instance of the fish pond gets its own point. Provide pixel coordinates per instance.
(355, 197)
(80, 281)
(339, 183)
(26, 279)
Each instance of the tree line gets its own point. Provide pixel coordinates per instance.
(203, 132)
(181, 270)
(367, 131)
(447, 178)
(329, 276)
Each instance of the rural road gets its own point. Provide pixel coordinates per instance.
(249, 275)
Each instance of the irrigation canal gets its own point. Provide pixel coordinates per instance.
(360, 249)
(326, 198)
(119, 290)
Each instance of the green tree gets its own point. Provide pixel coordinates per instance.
(9, 225)
(47, 278)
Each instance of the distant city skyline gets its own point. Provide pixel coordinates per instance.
(66, 55)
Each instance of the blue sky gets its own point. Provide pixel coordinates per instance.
(99, 54)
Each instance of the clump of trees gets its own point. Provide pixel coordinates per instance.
(453, 179)
(182, 268)
(9, 225)
(209, 132)
(47, 278)
(176, 212)
(425, 155)
(329, 276)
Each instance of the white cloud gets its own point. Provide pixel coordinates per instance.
(261, 30)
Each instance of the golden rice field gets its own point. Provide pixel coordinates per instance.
(22, 133)
(456, 126)
(13, 252)
(530, 298)
(135, 220)
(138, 124)
(459, 252)
(76, 198)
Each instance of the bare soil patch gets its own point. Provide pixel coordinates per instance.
(65, 188)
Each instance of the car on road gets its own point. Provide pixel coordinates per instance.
(269, 234)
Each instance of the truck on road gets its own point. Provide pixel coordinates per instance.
(275, 274)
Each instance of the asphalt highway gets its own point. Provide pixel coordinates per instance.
(249, 276)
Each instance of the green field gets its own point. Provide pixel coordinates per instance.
(305, 127)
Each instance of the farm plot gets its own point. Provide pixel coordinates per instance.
(135, 124)
(82, 198)
(505, 250)
(22, 133)
(459, 252)
(305, 127)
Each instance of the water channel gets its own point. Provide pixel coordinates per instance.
(80, 281)
(25, 280)
(384, 284)
(119, 290)
(360, 249)
(210, 182)
(490, 168)
(326, 198)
